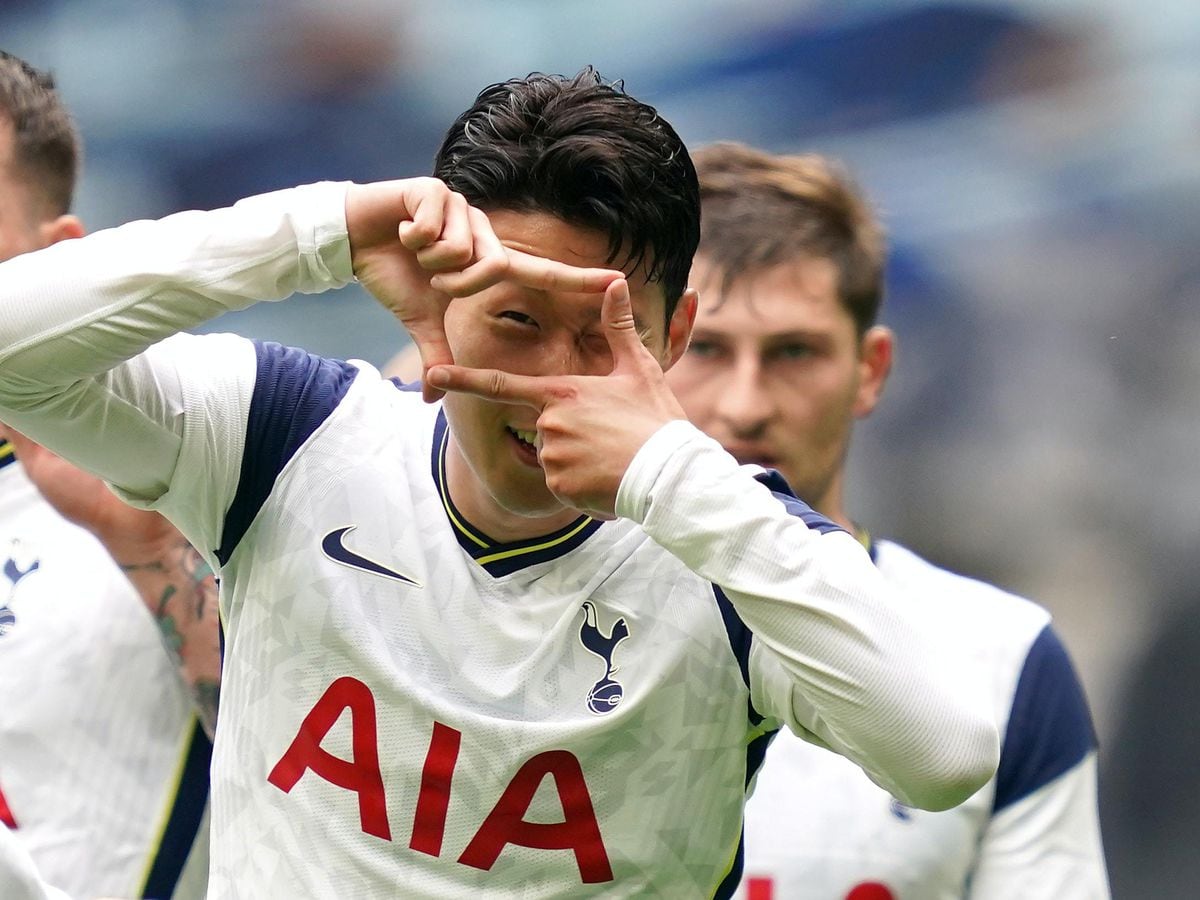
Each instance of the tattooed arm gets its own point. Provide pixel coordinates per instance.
(180, 591)
(174, 582)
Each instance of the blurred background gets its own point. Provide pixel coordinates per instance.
(1037, 163)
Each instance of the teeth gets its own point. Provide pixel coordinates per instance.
(528, 437)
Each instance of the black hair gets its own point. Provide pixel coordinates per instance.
(582, 149)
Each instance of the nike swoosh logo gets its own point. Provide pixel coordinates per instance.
(333, 546)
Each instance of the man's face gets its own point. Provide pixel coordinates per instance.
(19, 231)
(494, 474)
(777, 374)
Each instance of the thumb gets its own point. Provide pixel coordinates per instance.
(620, 327)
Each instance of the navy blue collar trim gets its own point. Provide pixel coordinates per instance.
(497, 557)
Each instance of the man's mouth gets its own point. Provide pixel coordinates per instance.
(754, 456)
(526, 446)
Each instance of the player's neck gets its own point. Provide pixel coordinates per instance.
(831, 503)
(481, 510)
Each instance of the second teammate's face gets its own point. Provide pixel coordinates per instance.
(777, 373)
(493, 471)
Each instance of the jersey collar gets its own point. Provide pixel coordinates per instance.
(496, 557)
(864, 537)
(7, 456)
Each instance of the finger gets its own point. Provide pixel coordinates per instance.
(427, 210)
(552, 275)
(495, 262)
(620, 327)
(492, 384)
(454, 247)
(491, 261)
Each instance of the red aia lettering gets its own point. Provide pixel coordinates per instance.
(578, 831)
(505, 824)
(360, 775)
(433, 801)
(871, 890)
(758, 888)
(6, 815)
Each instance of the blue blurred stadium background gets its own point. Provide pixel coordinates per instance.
(1037, 163)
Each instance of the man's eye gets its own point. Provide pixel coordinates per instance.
(790, 352)
(703, 349)
(514, 316)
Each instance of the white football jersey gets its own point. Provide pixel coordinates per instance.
(103, 769)
(410, 707)
(815, 828)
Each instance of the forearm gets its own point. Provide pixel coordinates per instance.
(858, 677)
(79, 308)
(76, 318)
(180, 591)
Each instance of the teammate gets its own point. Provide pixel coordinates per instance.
(103, 775)
(784, 358)
(530, 639)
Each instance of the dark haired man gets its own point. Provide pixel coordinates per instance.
(785, 355)
(103, 768)
(532, 639)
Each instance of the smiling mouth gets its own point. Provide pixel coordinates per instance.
(525, 447)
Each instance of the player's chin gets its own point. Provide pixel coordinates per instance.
(532, 501)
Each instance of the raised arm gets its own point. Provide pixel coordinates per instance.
(74, 315)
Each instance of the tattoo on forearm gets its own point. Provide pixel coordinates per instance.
(180, 590)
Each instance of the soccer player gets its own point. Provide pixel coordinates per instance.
(103, 768)
(530, 639)
(785, 356)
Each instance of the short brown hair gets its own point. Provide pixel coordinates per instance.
(46, 146)
(759, 210)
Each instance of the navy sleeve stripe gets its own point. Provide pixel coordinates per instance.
(740, 638)
(778, 486)
(1049, 729)
(183, 825)
(756, 752)
(294, 392)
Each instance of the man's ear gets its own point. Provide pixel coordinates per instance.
(679, 329)
(875, 354)
(60, 228)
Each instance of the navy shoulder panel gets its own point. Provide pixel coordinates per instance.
(294, 393)
(778, 486)
(1049, 729)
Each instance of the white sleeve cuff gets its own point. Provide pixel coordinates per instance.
(637, 486)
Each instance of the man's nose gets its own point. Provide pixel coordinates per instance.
(744, 402)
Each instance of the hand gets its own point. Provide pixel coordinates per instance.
(589, 427)
(130, 535)
(415, 244)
